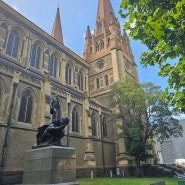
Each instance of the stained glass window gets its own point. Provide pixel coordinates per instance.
(104, 125)
(75, 123)
(13, 44)
(93, 123)
(35, 56)
(25, 107)
(80, 80)
(68, 74)
(53, 66)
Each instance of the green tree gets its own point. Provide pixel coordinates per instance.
(145, 115)
(160, 25)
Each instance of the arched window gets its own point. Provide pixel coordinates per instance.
(80, 80)
(97, 47)
(35, 55)
(90, 50)
(46, 58)
(108, 42)
(68, 74)
(97, 83)
(13, 44)
(101, 45)
(25, 107)
(104, 127)
(75, 122)
(106, 80)
(99, 28)
(93, 123)
(53, 66)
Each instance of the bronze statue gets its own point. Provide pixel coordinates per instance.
(51, 135)
(54, 107)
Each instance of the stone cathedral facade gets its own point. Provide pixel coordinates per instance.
(35, 65)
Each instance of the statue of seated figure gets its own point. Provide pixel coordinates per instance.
(51, 135)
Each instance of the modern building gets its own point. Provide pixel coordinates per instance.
(173, 148)
(35, 65)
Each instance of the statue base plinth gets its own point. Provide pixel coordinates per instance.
(51, 165)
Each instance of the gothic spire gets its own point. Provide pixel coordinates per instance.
(88, 36)
(57, 28)
(105, 12)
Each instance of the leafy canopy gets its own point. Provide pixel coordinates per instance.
(160, 25)
(144, 114)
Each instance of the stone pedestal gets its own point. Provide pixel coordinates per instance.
(50, 166)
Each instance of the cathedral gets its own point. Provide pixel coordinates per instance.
(34, 66)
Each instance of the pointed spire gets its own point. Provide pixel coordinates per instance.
(88, 33)
(88, 36)
(105, 12)
(57, 28)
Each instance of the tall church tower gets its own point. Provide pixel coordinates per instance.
(108, 53)
(110, 59)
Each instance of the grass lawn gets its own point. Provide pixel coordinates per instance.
(127, 181)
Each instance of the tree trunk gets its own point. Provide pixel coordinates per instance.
(138, 167)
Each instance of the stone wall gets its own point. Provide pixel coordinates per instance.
(21, 140)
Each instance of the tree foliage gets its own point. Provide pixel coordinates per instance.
(145, 115)
(160, 25)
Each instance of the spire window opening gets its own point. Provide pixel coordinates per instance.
(106, 80)
(101, 45)
(108, 42)
(90, 50)
(97, 47)
(97, 83)
(99, 28)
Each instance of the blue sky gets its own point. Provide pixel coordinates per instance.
(75, 17)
